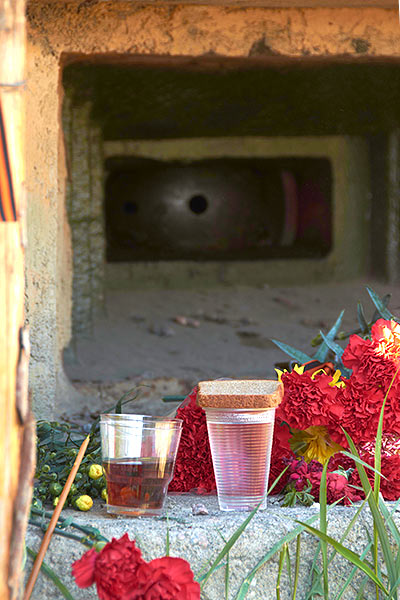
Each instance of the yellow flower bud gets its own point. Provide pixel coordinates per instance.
(99, 546)
(95, 471)
(84, 502)
(55, 501)
(104, 494)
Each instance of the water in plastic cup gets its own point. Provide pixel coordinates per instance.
(138, 453)
(241, 441)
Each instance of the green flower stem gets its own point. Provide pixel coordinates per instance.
(282, 556)
(83, 540)
(323, 525)
(297, 568)
(90, 531)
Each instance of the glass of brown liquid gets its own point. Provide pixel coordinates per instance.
(139, 455)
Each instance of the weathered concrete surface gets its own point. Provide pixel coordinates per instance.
(198, 540)
(196, 30)
(57, 30)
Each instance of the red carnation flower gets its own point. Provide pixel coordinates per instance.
(280, 454)
(120, 573)
(165, 578)
(84, 569)
(193, 468)
(390, 467)
(354, 351)
(113, 569)
(308, 400)
(337, 485)
(361, 409)
(374, 361)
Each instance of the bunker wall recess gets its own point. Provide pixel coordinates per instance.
(62, 33)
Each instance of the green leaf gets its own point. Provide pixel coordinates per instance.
(377, 517)
(323, 350)
(361, 318)
(360, 595)
(204, 578)
(352, 573)
(359, 460)
(299, 356)
(316, 587)
(118, 406)
(297, 567)
(348, 554)
(51, 575)
(282, 556)
(380, 306)
(244, 588)
(391, 525)
(281, 474)
(334, 346)
(385, 301)
(167, 540)
(323, 525)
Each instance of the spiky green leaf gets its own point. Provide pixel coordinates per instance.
(298, 355)
(361, 318)
(380, 306)
(348, 554)
(323, 350)
(334, 346)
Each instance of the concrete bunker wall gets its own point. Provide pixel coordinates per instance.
(60, 31)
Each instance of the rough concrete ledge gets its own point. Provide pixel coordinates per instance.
(198, 540)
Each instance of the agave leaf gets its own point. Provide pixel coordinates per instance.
(361, 318)
(344, 371)
(380, 306)
(298, 355)
(338, 350)
(323, 350)
(334, 346)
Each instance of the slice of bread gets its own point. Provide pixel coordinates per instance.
(240, 393)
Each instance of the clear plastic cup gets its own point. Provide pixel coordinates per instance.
(241, 441)
(138, 453)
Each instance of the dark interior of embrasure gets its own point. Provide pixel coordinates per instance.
(214, 98)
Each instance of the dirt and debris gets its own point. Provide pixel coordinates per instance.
(134, 344)
(199, 509)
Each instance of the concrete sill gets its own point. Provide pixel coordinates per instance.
(196, 539)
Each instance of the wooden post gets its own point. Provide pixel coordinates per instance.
(16, 423)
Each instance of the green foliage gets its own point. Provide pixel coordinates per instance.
(383, 526)
(57, 447)
(293, 496)
(328, 348)
(65, 593)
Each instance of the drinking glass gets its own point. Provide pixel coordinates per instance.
(138, 453)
